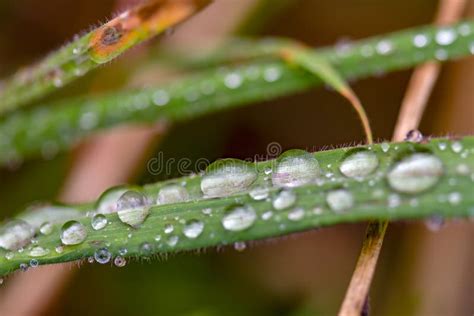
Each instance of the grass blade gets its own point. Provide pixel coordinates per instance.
(333, 191)
(95, 48)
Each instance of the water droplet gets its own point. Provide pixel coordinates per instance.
(172, 241)
(193, 228)
(384, 47)
(59, 249)
(227, 176)
(172, 194)
(463, 169)
(46, 228)
(146, 248)
(294, 168)
(394, 200)
(38, 251)
(385, 147)
(233, 80)
(120, 262)
(435, 222)
(239, 217)
(271, 74)
(123, 251)
(420, 40)
(207, 211)
(296, 214)
(240, 246)
(102, 255)
(169, 228)
(34, 263)
(454, 198)
(73, 233)
(9, 255)
(442, 146)
(267, 215)
(23, 267)
(161, 97)
(340, 200)
(259, 193)
(107, 202)
(132, 208)
(359, 164)
(15, 234)
(98, 222)
(414, 136)
(445, 37)
(415, 173)
(284, 199)
(456, 147)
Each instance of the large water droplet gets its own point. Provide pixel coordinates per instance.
(294, 168)
(340, 200)
(239, 217)
(98, 222)
(102, 255)
(107, 202)
(193, 228)
(73, 233)
(54, 214)
(132, 208)
(415, 173)
(172, 194)
(359, 164)
(445, 36)
(284, 199)
(227, 176)
(15, 234)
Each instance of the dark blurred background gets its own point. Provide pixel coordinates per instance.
(420, 272)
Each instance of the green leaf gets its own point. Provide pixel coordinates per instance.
(53, 128)
(97, 47)
(296, 192)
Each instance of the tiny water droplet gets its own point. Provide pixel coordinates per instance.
(445, 36)
(46, 228)
(9, 255)
(193, 228)
(169, 228)
(359, 164)
(284, 199)
(456, 147)
(123, 251)
(454, 198)
(34, 263)
(384, 47)
(98, 222)
(207, 211)
(259, 193)
(295, 168)
(161, 97)
(73, 233)
(420, 40)
(120, 261)
(415, 173)
(23, 267)
(272, 74)
(102, 255)
(59, 249)
(267, 215)
(414, 136)
(340, 200)
(435, 222)
(172, 194)
(233, 80)
(132, 208)
(240, 246)
(385, 147)
(296, 214)
(172, 241)
(239, 217)
(227, 176)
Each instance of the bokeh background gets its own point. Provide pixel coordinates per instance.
(420, 272)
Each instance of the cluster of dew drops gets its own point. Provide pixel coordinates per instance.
(409, 176)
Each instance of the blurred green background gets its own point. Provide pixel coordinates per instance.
(420, 272)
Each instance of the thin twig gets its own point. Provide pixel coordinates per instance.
(419, 89)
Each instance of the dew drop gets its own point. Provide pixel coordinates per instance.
(98, 222)
(385, 147)
(172, 241)
(102, 255)
(16, 234)
(259, 193)
(415, 173)
(267, 215)
(384, 47)
(434, 223)
(207, 211)
(271, 74)
(161, 97)
(414, 136)
(169, 228)
(172, 194)
(454, 198)
(420, 40)
(296, 214)
(239, 217)
(233, 80)
(295, 168)
(46, 228)
(456, 147)
(240, 246)
(34, 263)
(284, 199)
(340, 200)
(123, 251)
(38, 251)
(107, 202)
(359, 164)
(445, 37)
(227, 176)
(9, 255)
(59, 249)
(193, 228)
(132, 209)
(146, 248)
(120, 261)
(73, 233)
